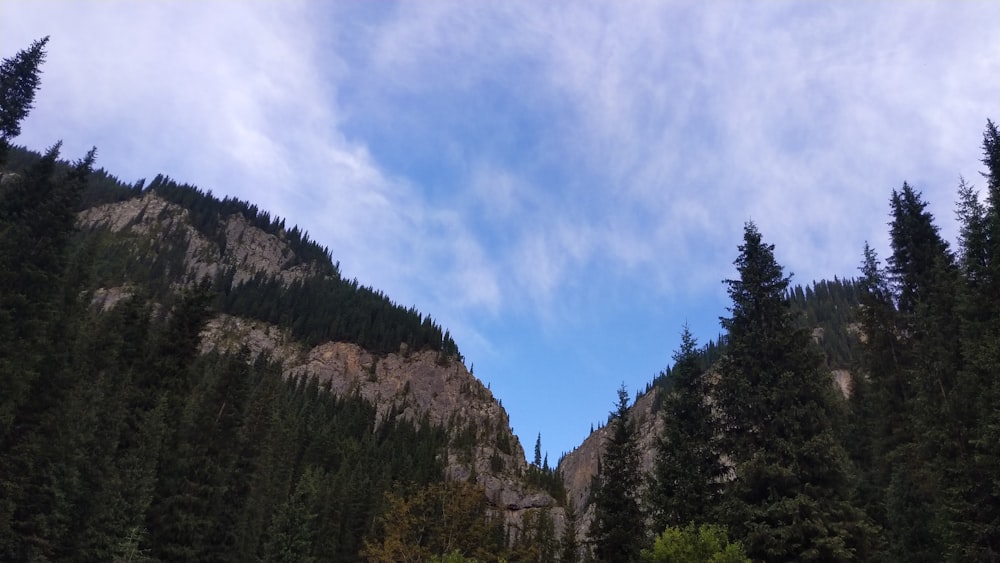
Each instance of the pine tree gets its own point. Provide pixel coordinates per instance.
(618, 528)
(19, 80)
(788, 498)
(688, 471)
(923, 280)
(569, 550)
(973, 492)
(42, 451)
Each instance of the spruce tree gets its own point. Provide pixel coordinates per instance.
(569, 547)
(618, 528)
(42, 451)
(923, 279)
(687, 475)
(788, 497)
(19, 80)
(973, 492)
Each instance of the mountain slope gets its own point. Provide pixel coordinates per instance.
(413, 384)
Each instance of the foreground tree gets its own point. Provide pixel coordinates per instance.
(688, 472)
(618, 529)
(788, 498)
(45, 440)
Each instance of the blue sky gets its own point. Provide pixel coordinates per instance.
(563, 185)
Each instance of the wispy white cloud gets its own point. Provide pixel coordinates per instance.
(539, 161)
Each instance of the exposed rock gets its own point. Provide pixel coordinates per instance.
(247, 250)
(844, 381)
(818, 334)
(406, 384)
(410, 385)
(106, 298)
(252, 250)
(10, 178)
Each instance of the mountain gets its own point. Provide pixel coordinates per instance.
(186, 379)
(194, 284)
(410, 384)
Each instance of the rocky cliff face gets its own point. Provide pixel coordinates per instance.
(408, 384)
(244, 248)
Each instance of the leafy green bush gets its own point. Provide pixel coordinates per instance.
(703, 544)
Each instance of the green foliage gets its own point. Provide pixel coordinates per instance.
(119, 441)
(687, 475)
(536, 539)
(322, 307)
(542, 476)
(925, 420)
(789, 497)
(617, 531)
(569, 545)
(453, 557)
(690, 544)
(19, 80)
(133, 447)
(829, 309)
(448, 520)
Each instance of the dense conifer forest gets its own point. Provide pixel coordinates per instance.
(120, 441)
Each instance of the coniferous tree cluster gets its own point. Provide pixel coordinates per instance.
(926, 403)
(829, 310)
(761, 444)
(119, 441)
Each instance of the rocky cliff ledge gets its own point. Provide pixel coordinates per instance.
(411, 385)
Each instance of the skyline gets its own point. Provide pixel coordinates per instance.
(562, 186)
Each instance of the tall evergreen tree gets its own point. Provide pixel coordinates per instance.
(788, 498)
(42, 452)
(20, 77)
(687, 477)
(618, 528)
(923, 279)
(973, 491)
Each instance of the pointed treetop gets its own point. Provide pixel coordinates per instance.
(762, 284)
(19, 79)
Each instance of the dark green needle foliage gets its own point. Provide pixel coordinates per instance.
(687, 477)
(789, 495)
(618, 528)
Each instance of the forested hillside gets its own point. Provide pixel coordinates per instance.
(126, 436)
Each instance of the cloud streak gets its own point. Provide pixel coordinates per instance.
(539, 177)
